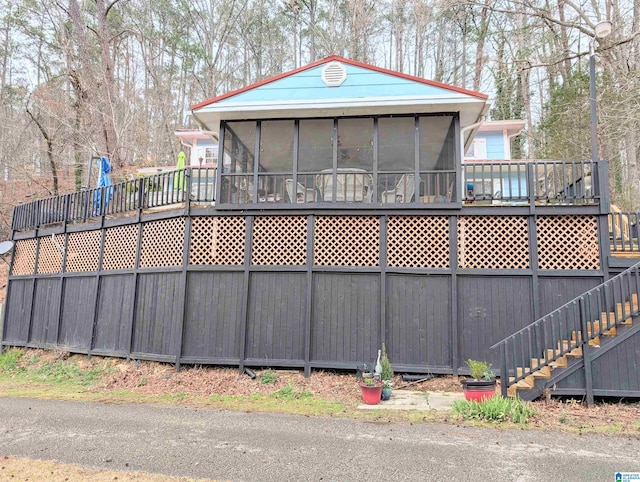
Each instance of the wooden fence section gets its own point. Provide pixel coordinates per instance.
(312, 290)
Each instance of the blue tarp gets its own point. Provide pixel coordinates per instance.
(103, 182)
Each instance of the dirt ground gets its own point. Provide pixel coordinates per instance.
(152, 378)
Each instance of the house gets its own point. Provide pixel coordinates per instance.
(492, 141)
(342, 221)
(203, 148)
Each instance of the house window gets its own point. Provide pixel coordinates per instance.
(210, 155)
(477, 150)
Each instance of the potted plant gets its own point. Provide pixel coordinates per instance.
(386, 375)
(371, 390)
(387, 387)
(482, 383)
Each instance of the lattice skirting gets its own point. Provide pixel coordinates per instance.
(83, 250)
(24, 260)
(347, 241)
(50, 254)
(279, 241)
(217, 240)
(418, 241)
(493, 242)
(568, 242)
(484, 242)
(120, 246)
(162, 243)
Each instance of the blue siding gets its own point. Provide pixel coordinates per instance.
(205, 143)
(495, 144)
(360, 82)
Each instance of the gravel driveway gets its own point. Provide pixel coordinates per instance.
(203, 443)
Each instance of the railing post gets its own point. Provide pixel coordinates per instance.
(504, 371)
(603, 187)
(188, 184)
(586, 352)
(140, 194)
(531, 186)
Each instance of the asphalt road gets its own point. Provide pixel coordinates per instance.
(203, 443)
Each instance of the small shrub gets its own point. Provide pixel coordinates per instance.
(480, 370)
(268, 377)
(495, 409)
(385, 363)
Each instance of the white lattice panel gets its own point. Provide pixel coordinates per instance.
(568, 242)
(418, 241)
(120, 246)
(493, 242)
(83, 250)
(24, 259)
(279, 241)
(217, 240)
(50, 254)
(162, 243)
(347, 241)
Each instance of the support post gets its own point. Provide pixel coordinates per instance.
(586, 352)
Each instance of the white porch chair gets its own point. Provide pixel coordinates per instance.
(302, 194)
(402, 192)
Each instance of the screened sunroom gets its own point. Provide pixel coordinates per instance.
(408, 159)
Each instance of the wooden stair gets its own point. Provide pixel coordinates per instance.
(606, 326)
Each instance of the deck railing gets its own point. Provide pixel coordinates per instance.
(550, 182)
(158, 190)
(568, 328)
(496, 183)
(623, 231)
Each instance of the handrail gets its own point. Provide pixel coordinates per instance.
(568, 328)
(540, 182)
(552, 182)
(162, 189)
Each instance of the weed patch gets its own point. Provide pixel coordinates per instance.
(269, 377)
(289, 393)
(495, 409)
(9, 360)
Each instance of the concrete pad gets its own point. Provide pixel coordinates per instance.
(410, 400)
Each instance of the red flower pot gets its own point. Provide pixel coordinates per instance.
(371, 394)
(478, 390)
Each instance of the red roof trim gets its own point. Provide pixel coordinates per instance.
(337, 58)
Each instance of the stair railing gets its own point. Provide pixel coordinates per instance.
(569, 328)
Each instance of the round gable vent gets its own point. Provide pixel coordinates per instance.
(334, 74)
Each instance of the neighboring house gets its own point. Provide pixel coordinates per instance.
(203, 149)
(487, 180)
(492, 141)
(341, 222)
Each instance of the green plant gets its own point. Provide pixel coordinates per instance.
(385, 363)
(387, 383)
(268, 377)
(9, 359)
(372, 382)
(480, 370)
(494, 409)
(289, 393)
